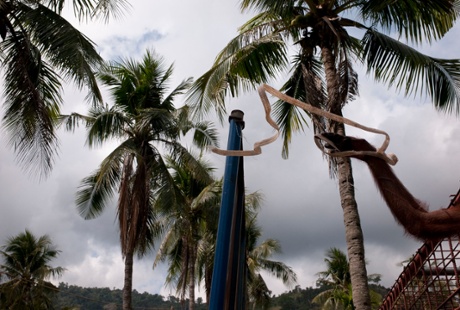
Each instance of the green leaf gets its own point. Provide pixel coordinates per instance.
(417, 20)
(407, 69)
(247, 61)
(66, 48)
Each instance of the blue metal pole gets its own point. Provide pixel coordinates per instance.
(238, 253)
(221, 256)
(242, 265)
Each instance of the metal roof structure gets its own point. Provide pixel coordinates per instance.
(431, 280)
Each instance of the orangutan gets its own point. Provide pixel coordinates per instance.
(408, 211)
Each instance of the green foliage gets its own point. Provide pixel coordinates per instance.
(337, 281)
(259, 259)
(298, 299)
(145, 122)
(72, 297)
(323, 75)
(186, 206)
(259, 53)
(39, 49)
(25, 271)
(81, 298)
(302, 299)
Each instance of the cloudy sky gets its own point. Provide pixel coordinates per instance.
(301, 207)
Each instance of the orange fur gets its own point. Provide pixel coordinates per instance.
(408, 211)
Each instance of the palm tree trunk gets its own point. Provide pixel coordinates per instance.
(29, 298)
(192, 261)
(128, 284)
(207, 280)
(353, 232)
(353, 236)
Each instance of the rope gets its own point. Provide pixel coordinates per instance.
(257, 149)
(263, 89)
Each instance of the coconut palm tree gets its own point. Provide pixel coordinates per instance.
(258, 259)
(191, 210)
(25, 270)
(186, 209)
(39, 50)
(336, 278)
(143, 118)
(322, 73)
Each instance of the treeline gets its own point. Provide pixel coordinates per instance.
(297, 299)
(72, 297)
(301, 299)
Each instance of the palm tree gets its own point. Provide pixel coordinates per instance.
(186, 209)
(39, 50)
(258, 259)
(146, 122)
(25, 271)
(322, 73)
(191, 209)
(337, 279)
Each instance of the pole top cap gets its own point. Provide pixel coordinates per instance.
(237, 116)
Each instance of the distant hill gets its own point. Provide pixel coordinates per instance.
(72, 297)
(300, 299)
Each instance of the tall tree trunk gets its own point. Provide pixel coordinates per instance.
(353, 232)
(191, 272)
(128, 284)
(184, 269)
(353, 236)
(208, 279)
(29, 299)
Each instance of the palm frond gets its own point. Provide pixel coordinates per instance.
(210, 195)
(253, 202)
(280, 7)
(417, 20)
(267, 22)
(106, 123)
(96, 190)
(32, 104)
(107, 8)
(181, 89)
(247, 61)
(407, 69)
(289, 117)
(259, 294)
(327, 300)
(205, 135)
(279, 270)
(177, 260)
(73, 120)
(170, 238)
(348, 81)
(156, 120)
(185, 158)
(266, 249)
(65, 47)
(95, 9)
